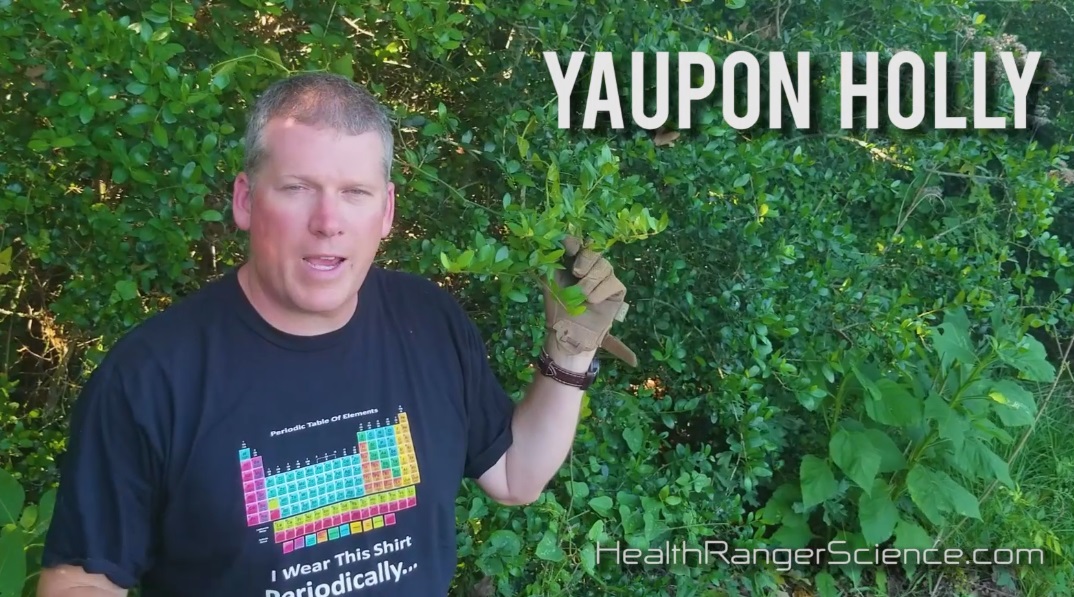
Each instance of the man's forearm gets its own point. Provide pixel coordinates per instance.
(82, 591)
(73, 581)
(544, 428)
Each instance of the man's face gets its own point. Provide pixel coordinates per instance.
(318, 208)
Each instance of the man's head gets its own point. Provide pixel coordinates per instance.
(316, 198)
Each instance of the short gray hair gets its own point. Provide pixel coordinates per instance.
(317, 99)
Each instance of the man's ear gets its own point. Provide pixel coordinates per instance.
(389, 212)
(241, 200)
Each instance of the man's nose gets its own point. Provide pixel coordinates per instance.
(325, 219)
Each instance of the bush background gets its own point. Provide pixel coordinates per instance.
(845, 334)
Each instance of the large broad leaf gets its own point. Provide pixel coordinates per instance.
(818, 481)
(893, 404)
(853, 453)
(12, 564)
(952, 341)
(950, 425)
(12, 497)
(909, 535)
(877, 514)
(1013, 403)
(891, 458)
(974, 458)
(1030, 358)
(826, 585)
(937, 494)
(781, 503)
(794, 533)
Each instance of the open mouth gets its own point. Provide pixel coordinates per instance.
(324, 263)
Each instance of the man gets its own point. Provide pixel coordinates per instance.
(301, 426)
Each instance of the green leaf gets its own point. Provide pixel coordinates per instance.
(589, 558)
(273, 55)
(921, 486)
(136, 88)
(212, 215)
(951, 339)
(465, 259)
(866, 382)
(69, 98)
(12, 564)
(596, 532)
(85, 113)
(517, 296)
(910, 536)
(548, 548)
(976, 459)
(781, 503)
(893, 404)
(825, 584)
(11, 498)
(127, 289)
(950, 425)
(139, 113)
(877, 514)
(818, 481)
(45, 507)
(937, 494)
(1065, 278)
(1013, 404)
(852, 452)
(160, 135)
(602, 505)
(578, 489)
(344, 65)
(1030, 358)
(505, 543)
(29, 516)
(573, 296)
(794, 533)
(5, 260)
(891, 458)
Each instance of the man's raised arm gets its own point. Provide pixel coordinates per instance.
(545, 422)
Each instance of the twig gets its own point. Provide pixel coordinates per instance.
(724, 40)
(939, 583)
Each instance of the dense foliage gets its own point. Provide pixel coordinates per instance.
(845, 334)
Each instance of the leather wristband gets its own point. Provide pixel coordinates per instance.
(548, 368)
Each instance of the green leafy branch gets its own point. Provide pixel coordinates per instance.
(905, 447)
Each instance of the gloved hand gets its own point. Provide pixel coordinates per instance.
(605, 303)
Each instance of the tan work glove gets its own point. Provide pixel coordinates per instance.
(605, 303)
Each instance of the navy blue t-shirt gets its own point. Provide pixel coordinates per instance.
(212, 454)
